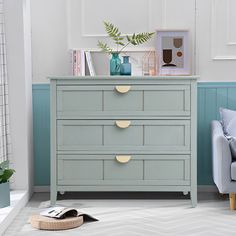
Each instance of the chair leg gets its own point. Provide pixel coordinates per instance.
(232, 201)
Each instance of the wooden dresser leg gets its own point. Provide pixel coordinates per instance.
(232, 201)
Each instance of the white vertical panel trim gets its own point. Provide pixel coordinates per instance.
(68, 23)
(164, 14)
(5, 140)
(82, 26)
(213, 28)
(150, 7)
(229, 17)
(17, 15)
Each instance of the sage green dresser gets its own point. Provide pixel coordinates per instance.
(123, 134)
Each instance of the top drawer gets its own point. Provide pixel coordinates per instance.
(123, 100)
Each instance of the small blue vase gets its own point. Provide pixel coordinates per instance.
(125, 68)
(115, 64)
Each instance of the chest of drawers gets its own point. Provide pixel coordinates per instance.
(123, 134)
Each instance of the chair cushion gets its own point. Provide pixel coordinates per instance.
(228, 119)
(233, 170)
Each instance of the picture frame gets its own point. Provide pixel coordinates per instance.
(173, 51)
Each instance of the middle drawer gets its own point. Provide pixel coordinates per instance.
(105, 135)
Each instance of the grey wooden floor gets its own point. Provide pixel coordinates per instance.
(137, 214)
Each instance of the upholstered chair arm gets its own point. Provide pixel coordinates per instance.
(221, 158)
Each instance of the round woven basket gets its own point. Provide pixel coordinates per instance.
(46, 223)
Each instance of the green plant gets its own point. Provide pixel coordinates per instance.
(114, 33)
(5, 172)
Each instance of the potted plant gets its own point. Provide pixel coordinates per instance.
(5, 175)
(121, 42)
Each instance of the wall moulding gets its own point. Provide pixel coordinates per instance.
(85, 18)
(223, 44)
(229, 27)
(143, 5)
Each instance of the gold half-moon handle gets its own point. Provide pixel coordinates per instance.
(123, 89)
(123, 124)
(123, 159)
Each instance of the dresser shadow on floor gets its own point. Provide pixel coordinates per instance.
(202, 196)
(122, 195)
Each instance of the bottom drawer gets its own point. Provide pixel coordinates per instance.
(123, 170)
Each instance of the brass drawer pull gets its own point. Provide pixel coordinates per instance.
(123, 159)
(123, 124)
(123, 89)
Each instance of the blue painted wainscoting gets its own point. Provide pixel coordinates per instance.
(211, 96)
(41, 133)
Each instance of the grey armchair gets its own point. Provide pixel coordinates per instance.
(224, 169)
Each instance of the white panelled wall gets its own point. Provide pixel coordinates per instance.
(49, 39)
(67, 24)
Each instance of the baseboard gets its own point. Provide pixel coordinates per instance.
(200, 188)
(207, 188)
(18, 200)
(42, 189)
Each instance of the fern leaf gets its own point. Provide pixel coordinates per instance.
(113, 32)
(120, 43)
(104, 47)
(128, 38)
(140, 38)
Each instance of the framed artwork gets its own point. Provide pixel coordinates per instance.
(173, 52)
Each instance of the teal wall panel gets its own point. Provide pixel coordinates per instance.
(211, 96)
(41, 133)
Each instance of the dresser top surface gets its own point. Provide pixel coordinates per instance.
(125, 78)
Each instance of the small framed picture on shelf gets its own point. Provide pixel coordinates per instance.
(173, 52)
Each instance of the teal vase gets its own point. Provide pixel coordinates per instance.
(125, 68)
(115, 63)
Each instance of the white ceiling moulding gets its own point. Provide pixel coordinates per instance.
(137, 8)
(215, 31)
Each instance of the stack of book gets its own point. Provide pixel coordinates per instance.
(82, 63)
